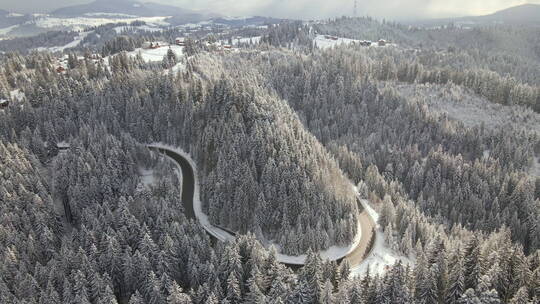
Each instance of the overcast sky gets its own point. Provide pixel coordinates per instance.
(390, 9)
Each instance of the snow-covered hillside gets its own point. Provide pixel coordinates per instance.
(154, 55)
(81, 23)
(42, 23)
(325, 42)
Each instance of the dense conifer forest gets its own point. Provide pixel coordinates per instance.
(280, 133)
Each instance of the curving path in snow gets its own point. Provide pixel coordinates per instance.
(355, 253)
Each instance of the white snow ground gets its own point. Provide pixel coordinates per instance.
(153, 55)
(6, 30)
(381, 255)
(81, 23)
(141, 28)
(332, 253)
(323, 43)
(16, 95)
(147, 177)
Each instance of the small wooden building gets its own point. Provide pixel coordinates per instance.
(4, 103)
(151, 45)
(181, 41)
(381, 42)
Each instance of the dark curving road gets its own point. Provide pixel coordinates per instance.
(188, 180)
(355, 257)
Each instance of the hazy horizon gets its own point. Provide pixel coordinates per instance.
(307, 9)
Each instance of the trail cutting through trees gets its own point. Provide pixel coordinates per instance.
(190, 198)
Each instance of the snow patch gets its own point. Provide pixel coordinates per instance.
(179, 67)
(153, 55)
(325, 42)
(6, 30)
(16, 95)
(381, 256)
(147, 177)
(119, 15)
(84, 22)
(140, 28)
(63, 145)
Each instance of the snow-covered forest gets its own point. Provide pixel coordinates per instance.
(438, 131)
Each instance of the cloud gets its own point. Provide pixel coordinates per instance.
(389, 9)
(310, 9)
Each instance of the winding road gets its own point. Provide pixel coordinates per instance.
(354, 257)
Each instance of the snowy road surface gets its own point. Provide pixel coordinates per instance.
(368, 225)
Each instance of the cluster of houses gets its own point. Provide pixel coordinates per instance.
(151, 45)
(181, 41)
(62, 65)
(381, 42)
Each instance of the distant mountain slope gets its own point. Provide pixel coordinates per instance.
(125, 7)
(7, 19)
(521, 14)
(255, 20)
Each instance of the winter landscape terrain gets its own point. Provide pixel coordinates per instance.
(157, 154)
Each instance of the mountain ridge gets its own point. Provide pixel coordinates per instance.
(520, 14)
(127, 7)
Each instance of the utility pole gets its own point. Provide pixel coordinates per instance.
(355, 12)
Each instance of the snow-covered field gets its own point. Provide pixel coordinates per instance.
(117, 15)
(147, 176)
(381, 255)
(324, 42)
(153, 55)
(196, 25)
(82, 22)
(6, 30)
(141, 28)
